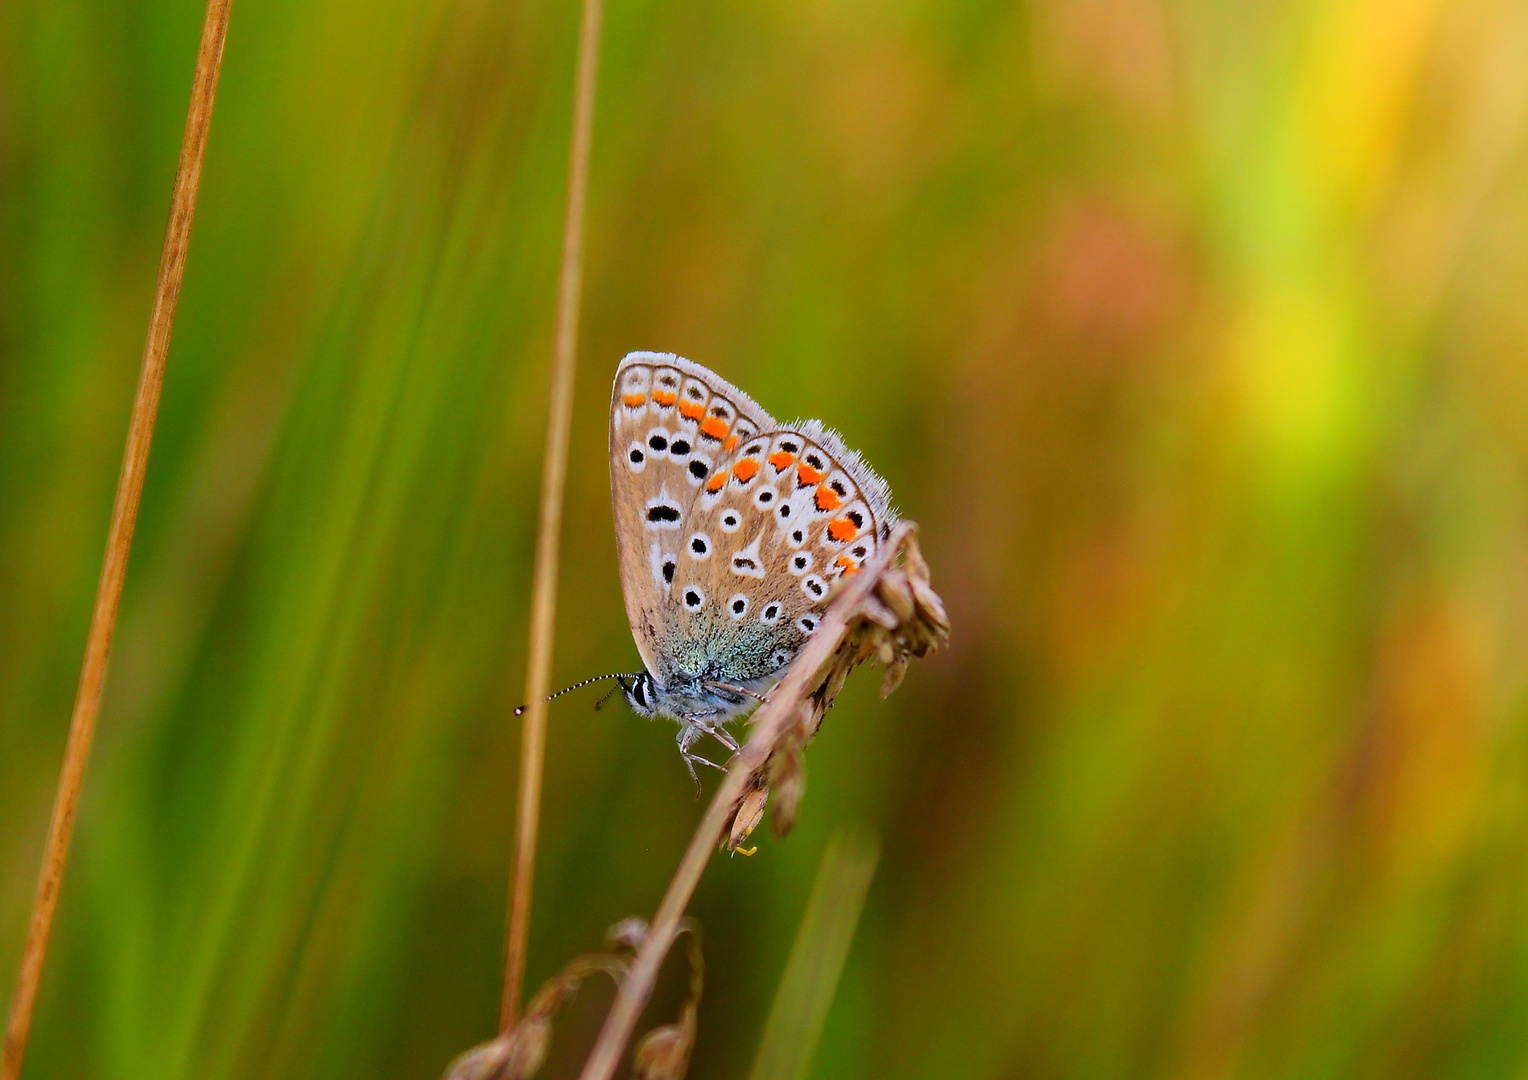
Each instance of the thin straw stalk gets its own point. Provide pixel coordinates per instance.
(119, 540)
(554, 473)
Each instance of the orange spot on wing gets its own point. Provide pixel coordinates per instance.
(846, 564)
(713, 427)
(781, 460)
(665, 397)
(692, 410)
(730, 445)
(827, 499)
(746, 469)
(634, 399)
(841, 529)
(807, 475)
(716, 482)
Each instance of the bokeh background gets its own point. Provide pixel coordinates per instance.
(1194, 333)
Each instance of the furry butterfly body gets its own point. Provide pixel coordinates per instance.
(731, 529)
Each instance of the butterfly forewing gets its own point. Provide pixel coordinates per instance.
(672, 425)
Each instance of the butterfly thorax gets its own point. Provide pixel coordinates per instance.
(687, 702)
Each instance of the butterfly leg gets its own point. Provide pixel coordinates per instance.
(716, 731)
(723, 736)
(688, 733)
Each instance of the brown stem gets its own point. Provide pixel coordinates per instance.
(124, 514)
(554, 473)
(769, 723)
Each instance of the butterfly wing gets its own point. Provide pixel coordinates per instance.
(671, 423)
(777, 521)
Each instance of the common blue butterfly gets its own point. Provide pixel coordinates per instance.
(731, 530)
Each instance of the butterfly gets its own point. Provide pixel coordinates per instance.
(731, 529)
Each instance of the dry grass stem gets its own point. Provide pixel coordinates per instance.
(549, 528)
(124, 515)
(519, 1052)
(664, 1052)
(889, 611)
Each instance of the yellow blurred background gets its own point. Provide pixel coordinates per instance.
(1194, 334)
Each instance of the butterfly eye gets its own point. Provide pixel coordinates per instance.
(737, 607)
(807, 625)
(771, 614)
(814, 586)
(693, 598)
(700, 546)
(730, 521)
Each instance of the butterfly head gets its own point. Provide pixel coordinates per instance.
(641, 693)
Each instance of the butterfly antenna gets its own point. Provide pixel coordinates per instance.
(600, 704)
(618, 675)
(734, 689)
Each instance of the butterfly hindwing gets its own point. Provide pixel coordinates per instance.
(672, 422)
(776, 523)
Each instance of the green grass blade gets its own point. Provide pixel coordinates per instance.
(817, 958)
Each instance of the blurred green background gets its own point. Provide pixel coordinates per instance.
(1194, 333)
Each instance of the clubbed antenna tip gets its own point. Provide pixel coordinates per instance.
(520, 710)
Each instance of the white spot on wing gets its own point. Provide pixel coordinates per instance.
(655, 560)
(747, 562)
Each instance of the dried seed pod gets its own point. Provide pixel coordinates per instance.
(516, 1055)
(629, 933)
(893, 677)
(520, 1052)
(746, 818)
(789, 785)
(897, 594)
(932, 619)
(663, 1053)
(882, 615)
